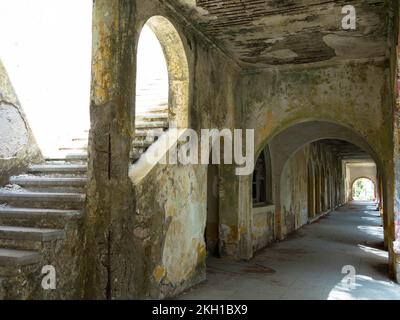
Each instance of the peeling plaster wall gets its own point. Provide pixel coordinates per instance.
(169, 229)
(354, 94)
(17, 145)
(172, 199)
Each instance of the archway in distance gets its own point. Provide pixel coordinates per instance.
(363, 189)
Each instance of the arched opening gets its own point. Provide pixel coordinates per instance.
(262, 180)
(342, 141)
(363, 189)
(333, 173)
(162, 84)
(151, 75)
(262, 211)
(313, 158)
(259, 182)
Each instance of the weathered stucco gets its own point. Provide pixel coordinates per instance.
(17, 145)
(172, 199)
(143, 233)
(165, 238)
(262, 227)
(354, 95)
(171, 228)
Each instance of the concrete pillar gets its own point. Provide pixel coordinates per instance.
(107, 266)
(235, 214)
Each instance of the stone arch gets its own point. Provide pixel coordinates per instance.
(363, 177)
(178, 69)
(326, 127)
(284, 142)
(265, 157)
(294, 137)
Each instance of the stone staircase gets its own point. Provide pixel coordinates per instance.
(39, 217)
(151, 115)
(40, 210)
(149, 125)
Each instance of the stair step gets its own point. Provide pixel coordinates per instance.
(37, 218)
(136, 154)
(9, 257)
(55, 168)
(151, 125)
(48, 182)
(28, 213)
(70, 157)
(53, 200)
(76, 156)
(83, 148)
(154, 116)
(31, 234)
(41, 196)
(162, 107)
(148, 133)
(142, 143)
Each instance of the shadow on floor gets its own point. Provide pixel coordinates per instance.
(309, 264)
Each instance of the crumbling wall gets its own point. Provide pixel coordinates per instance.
(17, 145)
(263, 227)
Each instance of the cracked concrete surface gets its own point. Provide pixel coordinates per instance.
(308, 265)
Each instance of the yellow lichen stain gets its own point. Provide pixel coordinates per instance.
(233, 234)
(102, 79)
(242, 230)
(159, 273)
(201, 253)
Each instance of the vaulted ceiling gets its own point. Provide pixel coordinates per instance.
(278, 32)
(346, 150)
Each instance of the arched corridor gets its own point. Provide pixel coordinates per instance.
(308, 265)
(245, 149)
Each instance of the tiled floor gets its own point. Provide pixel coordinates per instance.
(309, 264)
